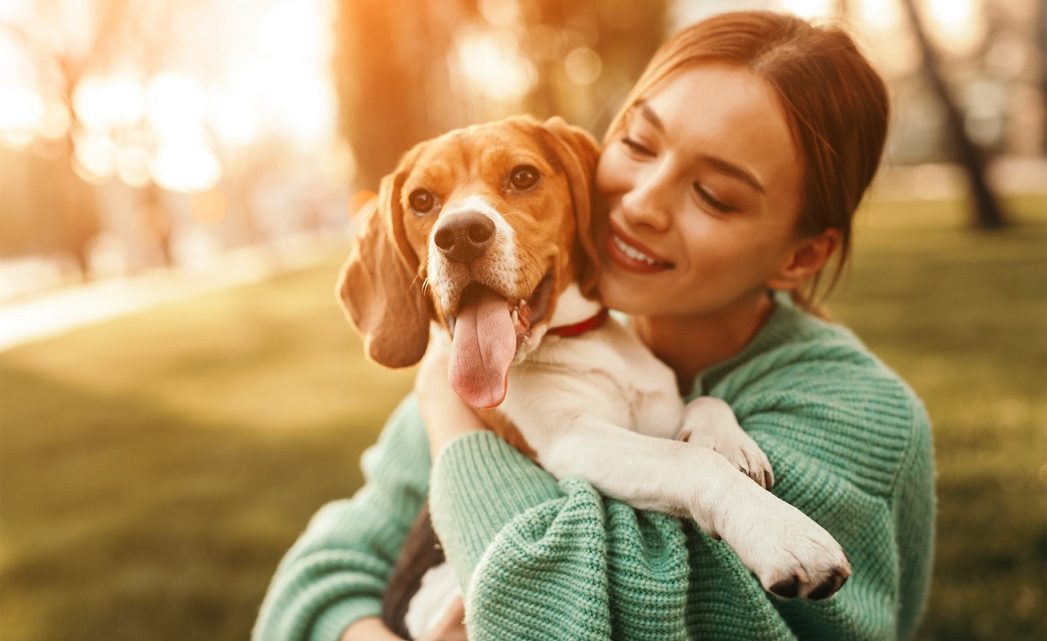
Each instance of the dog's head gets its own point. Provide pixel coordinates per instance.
(479, 230)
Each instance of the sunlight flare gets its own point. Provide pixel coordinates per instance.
(808, 8)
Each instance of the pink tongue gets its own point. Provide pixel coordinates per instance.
(482, 349)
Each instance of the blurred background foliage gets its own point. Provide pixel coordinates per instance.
(197, 162)
(136, 134)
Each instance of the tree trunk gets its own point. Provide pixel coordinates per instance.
(395, 88)
(392, 77)
(988, 212)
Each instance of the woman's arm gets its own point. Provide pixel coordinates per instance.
(336, 572)
(546, 560)
(443, 413)
(449, 628)
(488, 501)
(369, 629)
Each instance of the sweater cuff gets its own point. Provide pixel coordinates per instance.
(331, 624)
(479, 483)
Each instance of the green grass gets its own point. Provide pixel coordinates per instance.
(155, 468)
(962, 316)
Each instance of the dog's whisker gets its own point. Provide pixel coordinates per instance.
(425, 281)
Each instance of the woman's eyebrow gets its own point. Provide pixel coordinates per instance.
(719, 163)
(648, 113)
(732, 170)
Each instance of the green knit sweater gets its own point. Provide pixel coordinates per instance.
(546, 560)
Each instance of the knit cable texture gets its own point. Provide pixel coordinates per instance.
(546, 560)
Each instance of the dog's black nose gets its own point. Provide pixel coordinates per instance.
(464, 236)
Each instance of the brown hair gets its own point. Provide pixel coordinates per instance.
(835, 103)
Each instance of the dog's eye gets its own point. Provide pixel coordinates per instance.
(421, 200)
(523, 177)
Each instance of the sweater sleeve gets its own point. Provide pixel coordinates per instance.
(336, 572)
(558, 562)
(850, 445)
(545, 560)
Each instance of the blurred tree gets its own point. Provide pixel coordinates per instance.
(70, 213)
(398, 81)
(588, 54)
(987, 208)
(392, 76)
(68, 41)
(46, 208)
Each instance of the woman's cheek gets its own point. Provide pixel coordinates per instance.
(612, 174)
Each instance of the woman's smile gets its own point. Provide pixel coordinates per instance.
(631, 255)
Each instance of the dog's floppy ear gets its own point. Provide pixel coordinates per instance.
(379, 287)
(580, 153)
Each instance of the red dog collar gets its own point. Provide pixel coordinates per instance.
(591, 323)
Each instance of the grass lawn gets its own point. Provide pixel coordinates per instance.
(155, 468)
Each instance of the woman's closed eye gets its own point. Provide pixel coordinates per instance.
(636, 147)
(708, 198)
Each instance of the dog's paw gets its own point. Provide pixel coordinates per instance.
(789, 553)
(709, 422)
(740, 450)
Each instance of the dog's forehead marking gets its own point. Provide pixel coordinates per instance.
(485, 152)
(483, 206)
(485, 145)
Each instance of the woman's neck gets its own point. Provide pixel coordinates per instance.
(690, 344)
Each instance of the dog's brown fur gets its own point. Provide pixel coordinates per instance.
(381, 285)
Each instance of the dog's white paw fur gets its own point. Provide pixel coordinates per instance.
(789, 552)
(709, 422)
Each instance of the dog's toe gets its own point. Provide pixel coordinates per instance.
(787, 588)
(824, 590)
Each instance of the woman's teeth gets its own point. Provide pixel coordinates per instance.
(633, 253)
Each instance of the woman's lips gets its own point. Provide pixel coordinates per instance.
(630, 255)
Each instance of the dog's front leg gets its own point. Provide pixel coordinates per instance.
(710, 422)
(788, 552)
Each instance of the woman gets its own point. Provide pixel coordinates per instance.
(727, 182)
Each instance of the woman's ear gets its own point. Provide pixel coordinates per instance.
(806, 258)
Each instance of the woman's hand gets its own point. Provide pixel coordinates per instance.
(369, 629)
(445, 415)
(451, 626)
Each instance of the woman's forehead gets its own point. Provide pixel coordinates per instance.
(713, 96)
(726, 110)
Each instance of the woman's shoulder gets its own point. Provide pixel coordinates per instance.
(811, 389)
(798, 351)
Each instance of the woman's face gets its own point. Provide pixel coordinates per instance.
(702, 192)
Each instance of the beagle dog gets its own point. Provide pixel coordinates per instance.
(482, 237)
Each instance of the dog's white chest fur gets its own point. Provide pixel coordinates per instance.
(606, 373)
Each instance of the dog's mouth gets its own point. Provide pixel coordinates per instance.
(486, 331)
(525, 312)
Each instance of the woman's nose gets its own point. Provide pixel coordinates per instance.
(648, 202)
